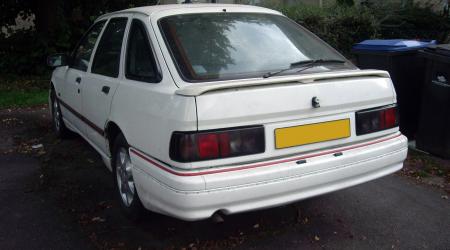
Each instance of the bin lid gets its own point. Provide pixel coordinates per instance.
(393, 45)
(441, 49)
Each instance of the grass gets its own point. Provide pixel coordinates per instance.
(21, 98)
(23, 91)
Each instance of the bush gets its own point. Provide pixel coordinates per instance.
(412, 22)
(345, 2)
(23, 53)
(26, 83)
(339, 25)
(344, 25)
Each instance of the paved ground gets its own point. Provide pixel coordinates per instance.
(60, 196)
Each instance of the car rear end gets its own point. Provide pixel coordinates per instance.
(267, 141)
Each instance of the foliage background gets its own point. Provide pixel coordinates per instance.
(346, 24)
(59, 24)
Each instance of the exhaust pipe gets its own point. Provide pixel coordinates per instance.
(218, 217)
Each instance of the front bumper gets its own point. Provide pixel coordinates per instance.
(199, 195)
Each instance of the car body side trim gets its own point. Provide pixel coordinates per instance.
(81, 117)
(188, 173)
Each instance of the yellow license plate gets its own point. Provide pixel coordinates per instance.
(312, 133)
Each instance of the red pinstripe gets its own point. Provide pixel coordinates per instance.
(264, 164)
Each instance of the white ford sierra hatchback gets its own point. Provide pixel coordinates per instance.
(217, 109)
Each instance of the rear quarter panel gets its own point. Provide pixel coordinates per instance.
(148, 113)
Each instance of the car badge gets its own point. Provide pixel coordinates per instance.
(315, 102)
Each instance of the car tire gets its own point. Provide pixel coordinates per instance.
(60, 128)
(124, 186)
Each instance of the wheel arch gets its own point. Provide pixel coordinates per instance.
(52, 85)
(51, 96)
(112, 130)
(52, 88)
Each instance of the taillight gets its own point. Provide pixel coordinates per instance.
(216, 144)
(377, 119)
(208, 146)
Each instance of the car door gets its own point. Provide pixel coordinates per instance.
(101, 82)
(142, 105)
(70, 92)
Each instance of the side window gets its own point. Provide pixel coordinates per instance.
(82, 54)
(107, 56)
(140, 62)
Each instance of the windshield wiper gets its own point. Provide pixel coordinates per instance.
(305, 64)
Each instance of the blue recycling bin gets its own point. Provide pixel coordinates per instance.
(400, 58)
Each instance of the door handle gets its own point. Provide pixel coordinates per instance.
(78, 80)
(105, 89)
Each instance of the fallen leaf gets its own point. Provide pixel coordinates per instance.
(98, 219)
(36, 146)
(305, 220)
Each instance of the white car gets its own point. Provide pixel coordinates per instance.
(203, 109)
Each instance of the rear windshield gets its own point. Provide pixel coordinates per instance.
(222, 46)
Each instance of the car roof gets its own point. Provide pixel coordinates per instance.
(150, 10)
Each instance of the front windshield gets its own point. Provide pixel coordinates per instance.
(221, 46)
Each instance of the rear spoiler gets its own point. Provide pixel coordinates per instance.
(201, 88)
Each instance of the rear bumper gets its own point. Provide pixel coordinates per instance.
(198, 196)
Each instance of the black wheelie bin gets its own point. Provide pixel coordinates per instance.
(433, 135)
(400, 58)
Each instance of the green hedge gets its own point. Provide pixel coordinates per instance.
(413, 22)
(342, 25)
(24, 53)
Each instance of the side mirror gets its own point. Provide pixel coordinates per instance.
(57, 60)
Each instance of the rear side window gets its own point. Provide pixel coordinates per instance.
(107, 56)
(140, 62)
(82, 54)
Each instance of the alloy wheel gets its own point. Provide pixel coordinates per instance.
(56, 115)
(124, 176)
